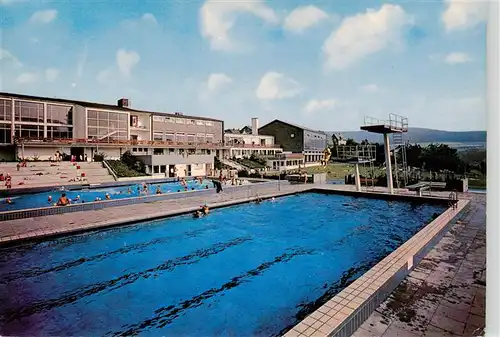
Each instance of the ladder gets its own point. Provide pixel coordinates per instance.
(399, 150)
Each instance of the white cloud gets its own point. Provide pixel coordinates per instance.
(464, 14)
(457, 58)
(217, 81)
(370, 88)
(316, 105)
(27, 78)
(51, 74)
(44, 16)
(149, 18)
(363, 34)
(103, 76)
(82, 61)
(218, 17)
(303, 17)
(126, 60)
(275, 86)
(7, 56)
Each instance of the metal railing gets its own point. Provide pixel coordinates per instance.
(356, 152)
(70, 141)
(395, 122)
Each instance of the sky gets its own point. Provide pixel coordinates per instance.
(321, 64)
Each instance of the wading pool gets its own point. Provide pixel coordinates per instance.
(247, 270)
(39, 200)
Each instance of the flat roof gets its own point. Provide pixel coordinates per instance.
(95, 105)
(297, 126)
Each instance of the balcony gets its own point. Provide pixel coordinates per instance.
(251, 146)
(115, 142)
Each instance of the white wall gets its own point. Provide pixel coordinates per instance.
(248, 139)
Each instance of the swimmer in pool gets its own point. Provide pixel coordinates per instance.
(158, 189)
(49, 199)
(129, 191)
(198, 214)
(108, 197)
(9, 201)
(205, 209)
(63, 200)
(272, 199)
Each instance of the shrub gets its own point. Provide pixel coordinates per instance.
(121, 170)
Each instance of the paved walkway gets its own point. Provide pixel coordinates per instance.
(67, 222)
(445, 294)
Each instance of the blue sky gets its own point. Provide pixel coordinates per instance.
(322, 64)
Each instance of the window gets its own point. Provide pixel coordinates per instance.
(107, 126)
(191, 138)
(190, 122)
(198, 122)
(158, 119)
(29, 131)
(5, 111)
(200, 138)
(134, 121)
(158, 136)
(5, 134)
(180, 137)
(208, 123)
(28, 111)
(158, 152)
(179, 121)
(169, 120)
(59, 114)
(170, 137)
(59, 132)
(209, 138)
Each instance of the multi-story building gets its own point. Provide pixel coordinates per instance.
(169, 143)
(297, 139)
(248, 141)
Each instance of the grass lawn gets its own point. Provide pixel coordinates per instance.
(339, 171)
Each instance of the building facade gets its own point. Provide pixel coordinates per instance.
(247, 142)
(35, 128)
(297, 139)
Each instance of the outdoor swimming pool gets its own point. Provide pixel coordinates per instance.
(38, 200)
(247, 270)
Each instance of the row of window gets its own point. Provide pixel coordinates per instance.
(34, 131)
(182, 137)
(26, 111)
(34, 112)
(107, 125)
(176, 120)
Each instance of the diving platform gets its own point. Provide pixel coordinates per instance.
(395, 124)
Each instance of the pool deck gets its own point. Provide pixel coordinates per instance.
(445, 294)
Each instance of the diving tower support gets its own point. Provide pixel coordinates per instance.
(395, 124)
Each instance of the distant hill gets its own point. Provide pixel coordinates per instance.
(421, 135)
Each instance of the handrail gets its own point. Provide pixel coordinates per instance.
(110, 170)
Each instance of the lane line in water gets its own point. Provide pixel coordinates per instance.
(166, 315)
(21, 274)
(110, 285)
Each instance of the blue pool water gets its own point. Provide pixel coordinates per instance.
(248, 270)
(38, 200)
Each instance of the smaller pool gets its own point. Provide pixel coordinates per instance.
(38, 200)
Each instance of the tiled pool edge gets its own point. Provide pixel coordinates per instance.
(40, 235)
(344, 313)
(95, 205)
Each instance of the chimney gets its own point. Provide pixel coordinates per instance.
(255, 126)
(123, 103)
